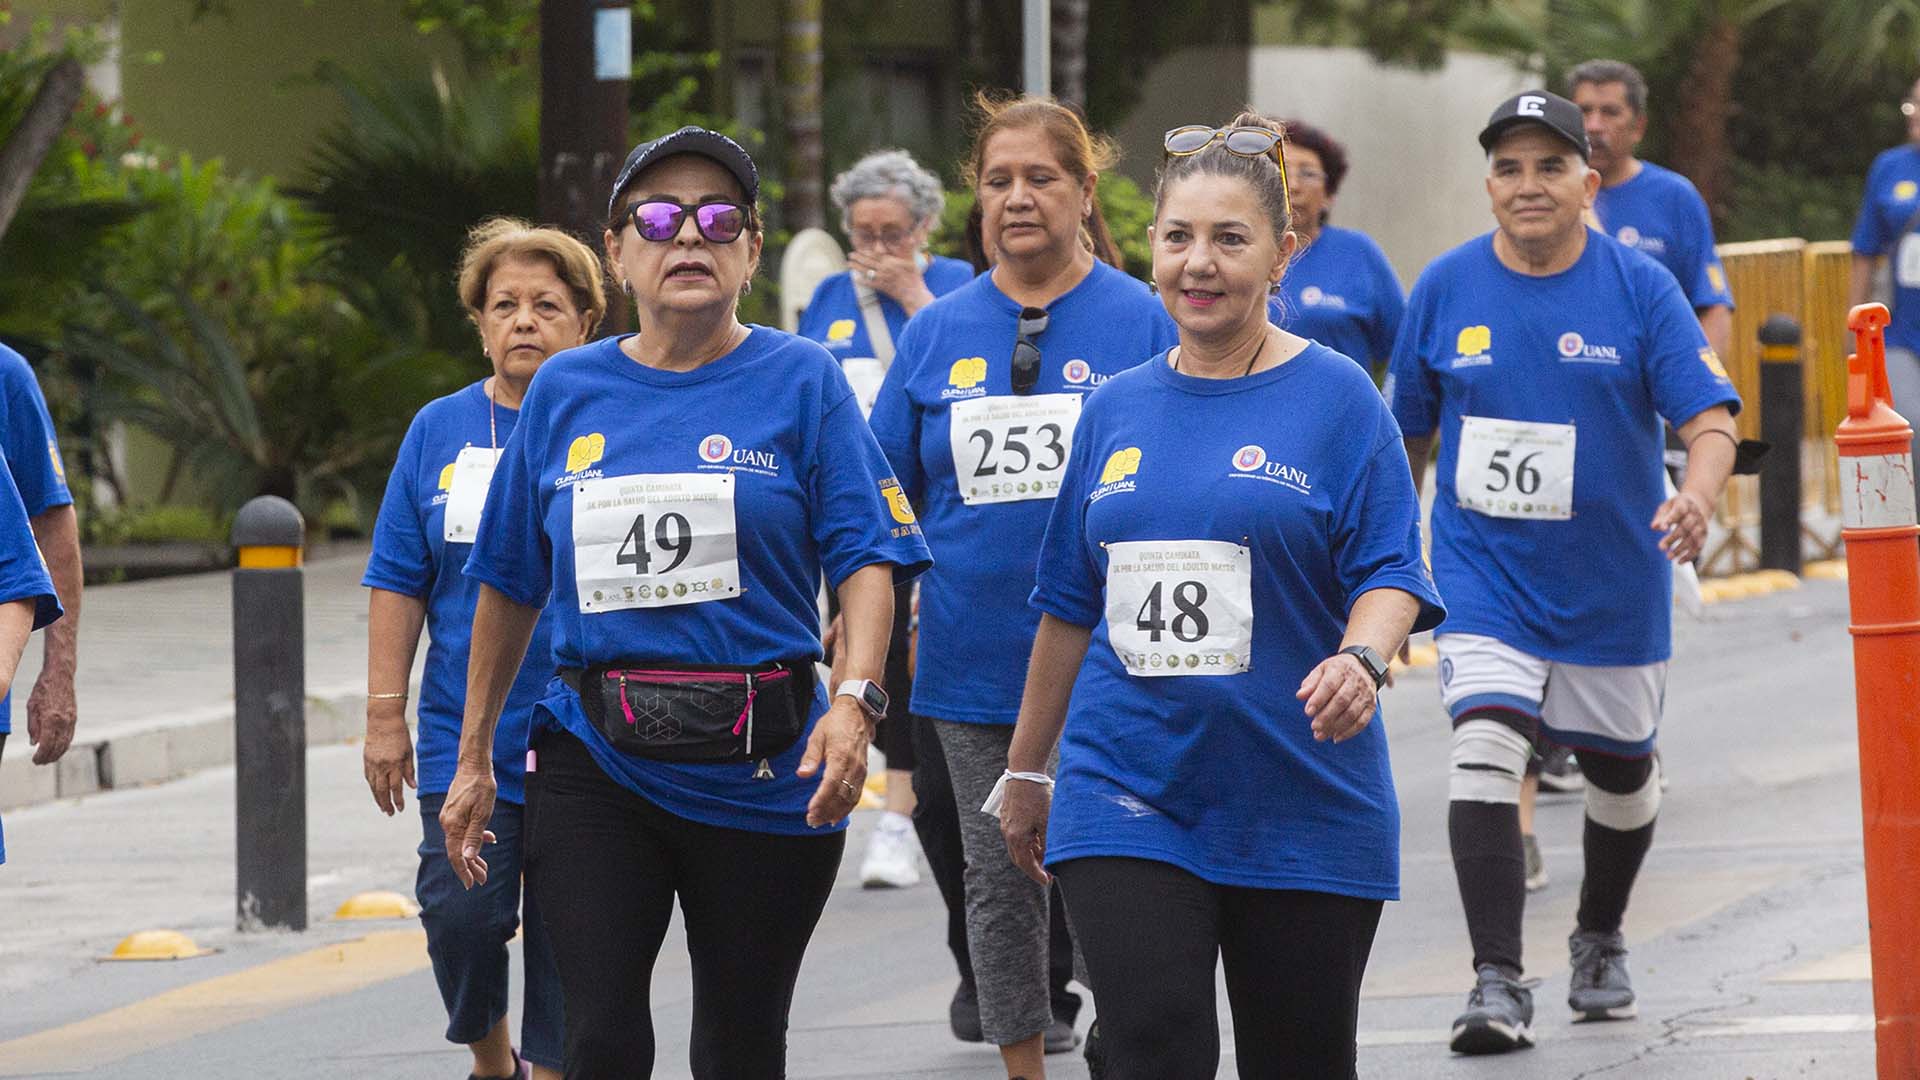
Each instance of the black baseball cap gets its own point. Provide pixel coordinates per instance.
(690, 140)
(1549, 110)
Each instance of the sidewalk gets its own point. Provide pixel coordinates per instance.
(155, 680)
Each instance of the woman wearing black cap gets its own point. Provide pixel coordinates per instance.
(679, 525)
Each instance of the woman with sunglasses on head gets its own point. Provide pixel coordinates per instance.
(1339, 290)
(531, 293)
(977, 415)
(680, 526)
(1234, 551)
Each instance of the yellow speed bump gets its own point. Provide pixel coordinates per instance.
(1827, 570)
(157, 945)
(377, 905)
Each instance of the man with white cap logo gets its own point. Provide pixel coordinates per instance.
(1546, 357)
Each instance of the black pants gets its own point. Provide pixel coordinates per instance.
(936, 820)
(1151, 933)
(605, 866)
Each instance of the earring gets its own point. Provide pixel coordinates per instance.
(1153, 289)
(746, 287)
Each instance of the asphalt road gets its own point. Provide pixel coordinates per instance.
(1748, 929)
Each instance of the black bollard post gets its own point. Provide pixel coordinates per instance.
(270, 720)
(1781, 410)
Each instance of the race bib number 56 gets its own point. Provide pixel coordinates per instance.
(1515, 469)
(654, 540)
(1007, 449)
(1180, 607)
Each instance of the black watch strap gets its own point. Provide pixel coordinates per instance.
(1375, 664)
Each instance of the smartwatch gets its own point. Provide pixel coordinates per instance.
(1370, 660)
(865, 693)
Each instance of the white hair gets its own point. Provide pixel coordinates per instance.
(891, 174)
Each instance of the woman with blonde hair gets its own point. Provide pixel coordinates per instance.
(530, 292)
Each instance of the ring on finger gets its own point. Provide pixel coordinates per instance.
(852, 792)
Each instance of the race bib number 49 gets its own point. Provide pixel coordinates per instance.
(1515, 469)
(654, 540)
(1007, 449)
(1180, 607)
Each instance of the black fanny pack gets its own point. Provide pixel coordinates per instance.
(678, 712)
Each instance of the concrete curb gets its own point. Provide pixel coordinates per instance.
(170, 748)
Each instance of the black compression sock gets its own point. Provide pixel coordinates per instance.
(1613, 862)
(1492, 871)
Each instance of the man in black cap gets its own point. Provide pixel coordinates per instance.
(1546, 356)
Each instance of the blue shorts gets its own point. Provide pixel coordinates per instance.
(468, 931)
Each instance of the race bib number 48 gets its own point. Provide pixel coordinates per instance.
(1515, 469)
(1007, 449)
(654, 540)
(1180, 607)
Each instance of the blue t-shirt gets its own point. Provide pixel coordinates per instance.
(976, 628)
(412, 556)
(23, 574)
(1220, 775)
(32, 452)
(1609, 346)
(833, 317)
(1660, 214)
(1891, 200)
(811, 495)
(1342, 293)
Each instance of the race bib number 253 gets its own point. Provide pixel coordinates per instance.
(1009, 449)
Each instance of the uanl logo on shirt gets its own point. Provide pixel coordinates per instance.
(718, 451)
(840, 330)
(1471, 347)
(582, 452)
(965, 377)
(1252, 461)
(1121, 464)
(1078, 372)
(1315, 296)
(1905, 190)
(446, 485)
(1574, 348)
(1634, 238)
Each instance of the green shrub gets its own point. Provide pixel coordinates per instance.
(157, 524)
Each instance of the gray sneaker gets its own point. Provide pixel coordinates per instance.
(1499, 1015)
(1536, 864)
(1599, 988)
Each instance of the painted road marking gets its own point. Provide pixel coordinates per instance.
(220, 1002)
(1848, 965)
(1731, 1028)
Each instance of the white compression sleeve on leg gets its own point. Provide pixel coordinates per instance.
(1489, 759)
(1628, 812)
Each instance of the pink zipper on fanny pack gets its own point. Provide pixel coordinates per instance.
(745, 720)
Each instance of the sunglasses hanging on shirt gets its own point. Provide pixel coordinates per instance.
(1026, 353)
(659, 220)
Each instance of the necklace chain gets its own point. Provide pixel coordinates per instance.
(1262, 347)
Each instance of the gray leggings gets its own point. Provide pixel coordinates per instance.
(1903, 377)
(1006, 910)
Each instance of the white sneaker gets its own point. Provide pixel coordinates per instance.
(893, 854)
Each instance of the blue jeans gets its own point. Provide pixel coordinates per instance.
(467, 935)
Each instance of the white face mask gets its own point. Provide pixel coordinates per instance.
(920, 261)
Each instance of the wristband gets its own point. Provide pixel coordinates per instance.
(998, 795)
(386, 697)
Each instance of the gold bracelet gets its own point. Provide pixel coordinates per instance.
(386, 697)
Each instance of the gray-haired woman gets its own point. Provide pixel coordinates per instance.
(888, 206)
